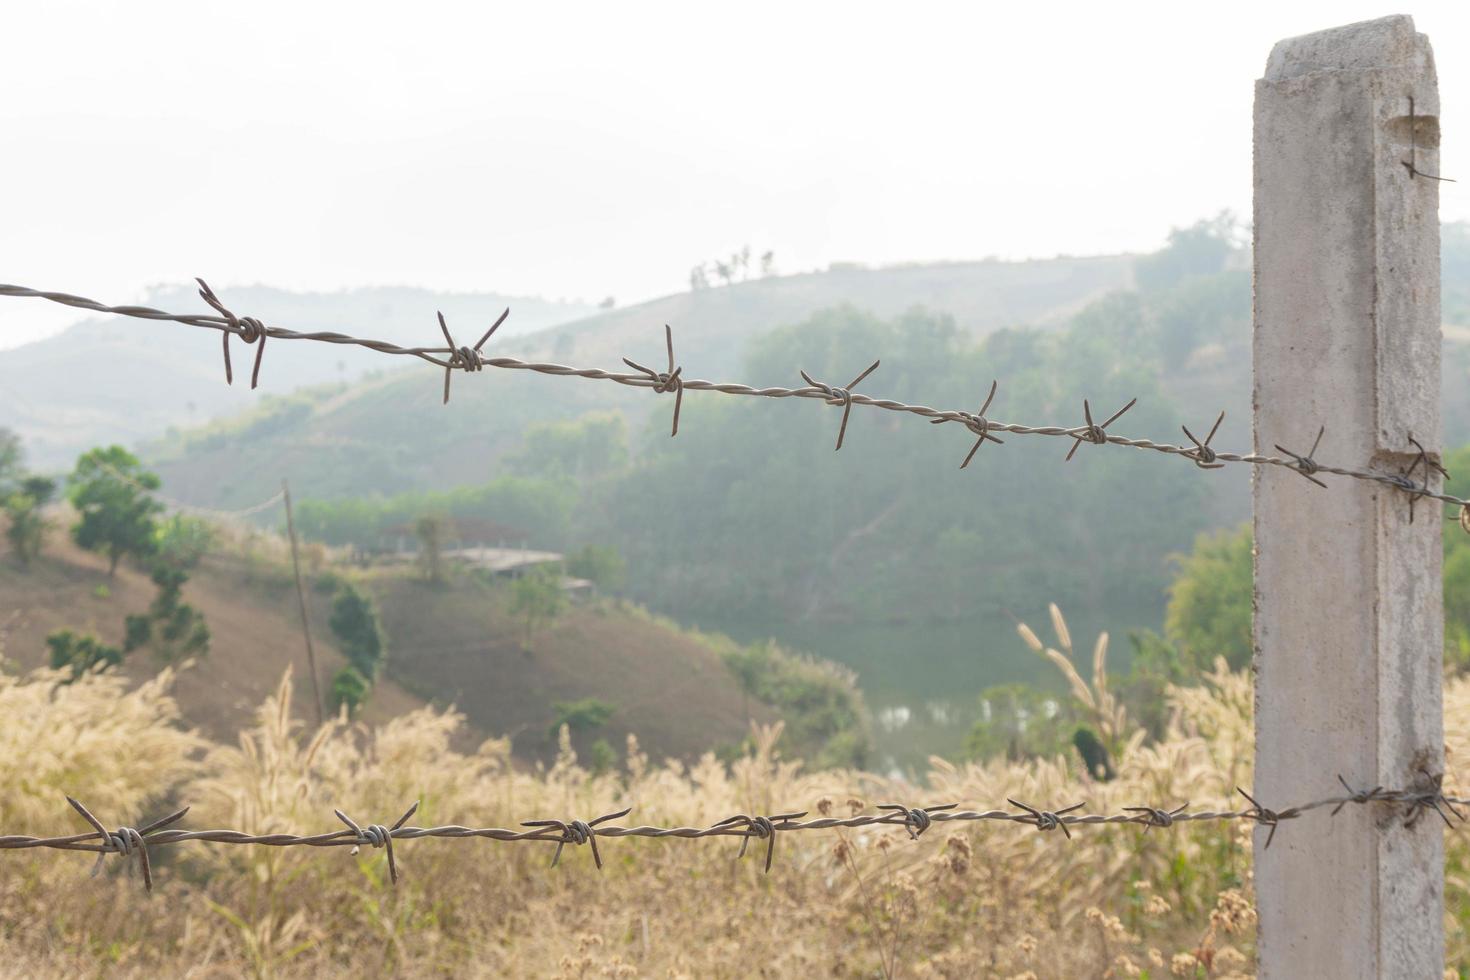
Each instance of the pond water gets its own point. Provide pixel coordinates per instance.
(922, 681)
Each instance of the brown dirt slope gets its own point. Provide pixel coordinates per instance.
(454, 645)
(459, 643)
(255, 632)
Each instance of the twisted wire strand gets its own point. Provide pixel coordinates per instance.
(134, 844)
(469, 359)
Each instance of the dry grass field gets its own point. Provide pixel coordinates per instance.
(966, 900)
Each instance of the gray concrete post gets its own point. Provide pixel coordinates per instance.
(1349, 616)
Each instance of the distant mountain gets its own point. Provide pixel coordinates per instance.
(389, 433)
(112, 379)
(712, 326)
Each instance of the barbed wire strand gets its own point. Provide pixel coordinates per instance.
(451, 358)
(133, 844)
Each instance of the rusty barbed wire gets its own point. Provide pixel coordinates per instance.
(452, 358)
(133, 844)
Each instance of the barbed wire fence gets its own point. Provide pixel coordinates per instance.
(133, 843)
(1416, 480)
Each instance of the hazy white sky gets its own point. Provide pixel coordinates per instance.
(584, 150)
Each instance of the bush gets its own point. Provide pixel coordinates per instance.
(183, 541)
(175, 628)
(826, 719)
(537, 598)
(27, 528)
(579, 716)
(327, 583)
(354, 623)
(81, 653)
(604, 758)
(600, 565)
(1209, 612)
(349, 689)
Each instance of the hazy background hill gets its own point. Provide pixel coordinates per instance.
(389, 433)
(109, 379)
(62, 403)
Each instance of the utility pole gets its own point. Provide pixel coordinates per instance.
(316, 690)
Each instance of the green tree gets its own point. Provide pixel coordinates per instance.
(537, 598)
(1209, 611)
(820, 702)
(81, 652)
(1199, 250)
(349, 689)
(27, 526)
(602, 757)
(579, 716)
(1156, 664)
(581, 449)
(598, 564)
(354, 623)
(109, 489)
(181, 542)
(174, 628)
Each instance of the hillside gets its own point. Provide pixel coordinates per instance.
(452, 646)
(136, 379)
(390, 433)
(255, 625)
(886, 557)
(459, 644)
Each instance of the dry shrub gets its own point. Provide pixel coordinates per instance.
(966, 900)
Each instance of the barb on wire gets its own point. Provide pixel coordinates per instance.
(976, 423)
(1092, 432)
(1306, 465)
(1265, 817)
(127, 841)
(1412, 164)
(1202, 454)
(452, 358)
(1049, 819)
(1356, 796)
(666, 380)
(916, 820)
(577, 832)
(251, 331)
(1431, 798)
(1430, 466)
(840, 396)
(466, 358)
(376, 835)
(1152, 816)
(762, 828)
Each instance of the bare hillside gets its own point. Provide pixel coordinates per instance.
(447, 646)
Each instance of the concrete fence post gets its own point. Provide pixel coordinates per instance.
(1349, 617)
